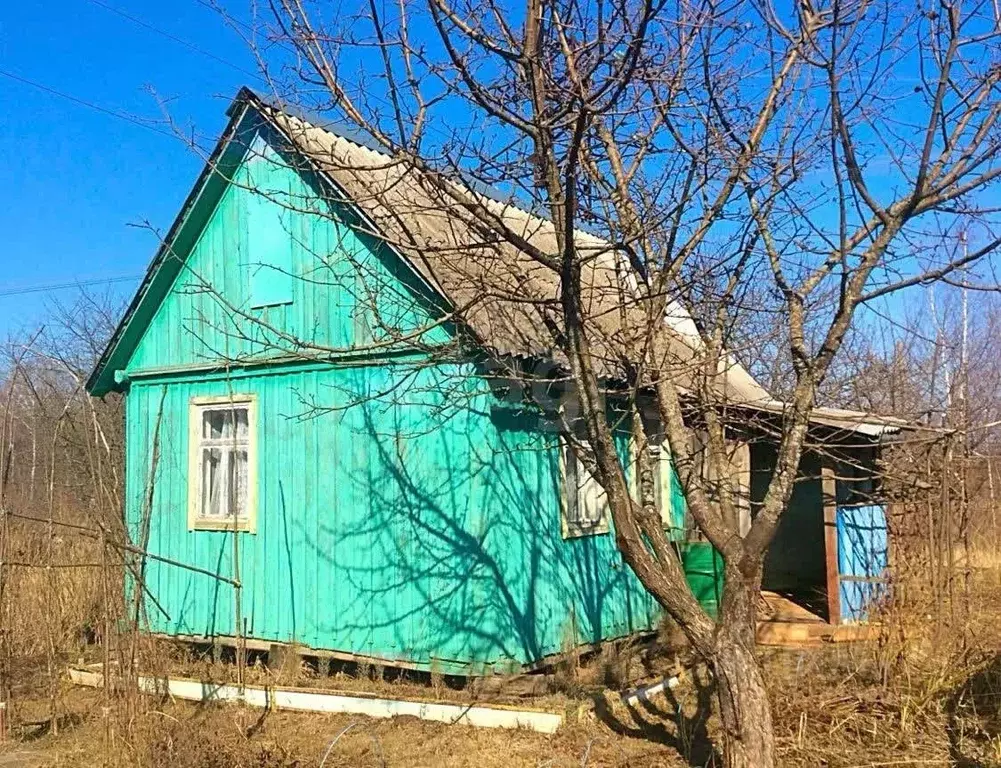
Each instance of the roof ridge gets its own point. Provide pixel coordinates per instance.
(357, 137)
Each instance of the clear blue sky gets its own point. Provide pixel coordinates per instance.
(72, 179)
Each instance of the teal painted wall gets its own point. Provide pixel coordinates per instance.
(274, 238)
(402, 513)
(421, 525)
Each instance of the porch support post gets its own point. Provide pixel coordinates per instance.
(829, 493)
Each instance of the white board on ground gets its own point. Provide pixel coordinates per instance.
(305, 701)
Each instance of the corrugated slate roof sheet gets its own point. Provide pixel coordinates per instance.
(503, 292)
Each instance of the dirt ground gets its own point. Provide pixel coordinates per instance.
(830, 710)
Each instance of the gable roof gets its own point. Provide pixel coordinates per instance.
(508, 300)
(165, 265)
(505, 296)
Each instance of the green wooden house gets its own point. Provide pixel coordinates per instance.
(310, 411)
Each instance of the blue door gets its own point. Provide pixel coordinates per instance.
(862, 559)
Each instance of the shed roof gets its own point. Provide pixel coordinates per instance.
(868, 425)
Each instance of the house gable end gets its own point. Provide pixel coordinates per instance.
(265, 264)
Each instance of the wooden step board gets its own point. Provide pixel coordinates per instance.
(784, 622)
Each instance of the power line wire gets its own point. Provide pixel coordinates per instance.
(179, 40)
(284, 44)
(85, 103)
(280, 43)
(61, 286)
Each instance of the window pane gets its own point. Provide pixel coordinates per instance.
(216, 424)
(658, 486)
(238, 473)
(242, 419)
(211, 502)
(595, 501)
(586, 501)
(570, 490)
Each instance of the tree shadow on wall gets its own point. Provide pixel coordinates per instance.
(446, 546)
(460, 563)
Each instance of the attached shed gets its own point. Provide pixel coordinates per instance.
(830, 552)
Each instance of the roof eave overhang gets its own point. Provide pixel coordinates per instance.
(101, 380)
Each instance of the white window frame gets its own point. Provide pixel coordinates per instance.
(571, 525)
(197, 407)
(738, 460)
(659, 454)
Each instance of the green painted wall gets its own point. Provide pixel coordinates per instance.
(273, 236)
(421, 525)
(402, 512)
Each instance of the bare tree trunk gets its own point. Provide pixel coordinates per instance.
(744, 707)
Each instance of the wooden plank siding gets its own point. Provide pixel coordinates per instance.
(210, 314)
(398, 528)
(402, 514)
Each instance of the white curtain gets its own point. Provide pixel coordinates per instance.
(225, 465)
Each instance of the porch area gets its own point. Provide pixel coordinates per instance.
(784, 622)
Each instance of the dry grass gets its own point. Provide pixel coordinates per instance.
(833, 706)
(64, 604)
(927, 692)
(181, 734)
